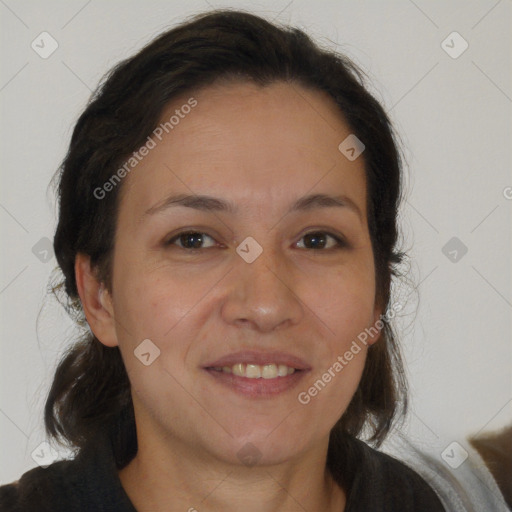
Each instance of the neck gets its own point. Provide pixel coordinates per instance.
(169, 476)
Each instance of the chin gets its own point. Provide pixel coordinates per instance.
(266, 449)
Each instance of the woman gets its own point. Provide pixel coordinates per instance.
(228, 227)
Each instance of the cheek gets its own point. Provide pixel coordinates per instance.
(156, 309)
(329, 389)
(165, 306)
(152, 301)
(345, 302)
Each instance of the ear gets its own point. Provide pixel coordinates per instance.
(96, 302)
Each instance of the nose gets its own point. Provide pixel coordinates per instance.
(264, 294)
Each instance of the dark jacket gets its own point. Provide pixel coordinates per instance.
(90, 482)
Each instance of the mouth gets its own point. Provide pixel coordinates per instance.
(256, 374)
(256, 371)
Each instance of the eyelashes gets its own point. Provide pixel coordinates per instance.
(316, 237)
(317, 240)
(197, 236)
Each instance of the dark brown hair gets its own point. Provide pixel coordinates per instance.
(91, 391)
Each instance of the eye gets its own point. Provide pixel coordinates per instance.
(320, 240)
(189, 240)
(317, 240)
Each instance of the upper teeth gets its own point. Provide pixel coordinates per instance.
(256, 371)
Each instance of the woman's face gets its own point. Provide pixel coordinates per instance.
(262, 283)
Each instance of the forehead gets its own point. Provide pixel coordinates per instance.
(254, 143)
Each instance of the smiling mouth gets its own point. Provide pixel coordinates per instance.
(257, 381)
(256, 371)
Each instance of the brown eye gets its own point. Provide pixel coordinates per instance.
(189, 240)
(321, 240)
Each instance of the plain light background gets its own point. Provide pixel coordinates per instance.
(454, 118)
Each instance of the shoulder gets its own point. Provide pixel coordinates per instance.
(395, 470)
(384, 483)
(41, 489)
(88, 482)
(462, 488)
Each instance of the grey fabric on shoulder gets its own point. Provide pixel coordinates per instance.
(469, 487)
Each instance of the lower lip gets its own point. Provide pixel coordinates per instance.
(258, 388)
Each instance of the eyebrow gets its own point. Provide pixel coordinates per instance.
(214, 204)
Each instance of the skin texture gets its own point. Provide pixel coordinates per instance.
(262, 149)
